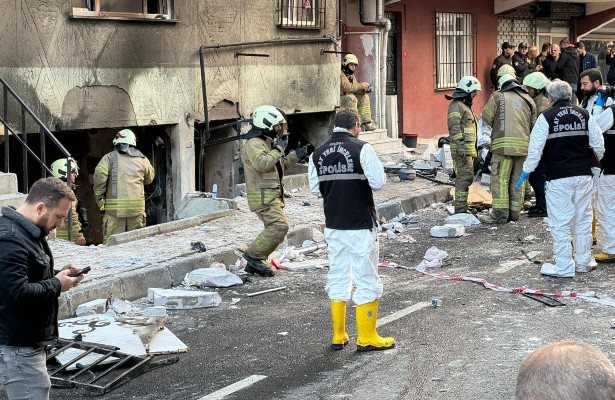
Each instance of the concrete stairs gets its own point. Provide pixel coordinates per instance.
(9, 196)
(381, 142)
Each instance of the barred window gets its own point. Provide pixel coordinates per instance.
(161, 10)
(455, 54)
(307, 14)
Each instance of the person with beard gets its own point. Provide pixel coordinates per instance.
(536, 82)
(544, 53)
(593, 101)
(586, 61)
(505, 58)
(353, 94)
(118, 185)
(521, 61)
(510, 112)
(264, 162)
(29, 288)
(462, 127)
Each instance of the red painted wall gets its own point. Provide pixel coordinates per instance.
(424, 108)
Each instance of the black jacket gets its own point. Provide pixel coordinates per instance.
(548, 67)
(610, 76)
(521, 64)
(28, 289)
(568, 66)
(497, 63)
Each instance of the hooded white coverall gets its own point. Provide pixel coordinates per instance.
(605, 187)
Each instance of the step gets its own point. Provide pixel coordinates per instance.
(370, 136)
(8, 183)
(388, 146)
(15, 199)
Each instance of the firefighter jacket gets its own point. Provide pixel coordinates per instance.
(511, 113)
(349, 84)
(264, 165)
(462, 127)
(119, 180)
(62, 230)
(542, 102)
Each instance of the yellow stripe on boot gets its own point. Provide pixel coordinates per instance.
(338, 317)
(368, 339)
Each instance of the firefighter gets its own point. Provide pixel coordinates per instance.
(118, 185)
(462, 127)
(59, 169)
(353, 94)
(511, 113)
(264, 163)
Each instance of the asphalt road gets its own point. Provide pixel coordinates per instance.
(469, 348)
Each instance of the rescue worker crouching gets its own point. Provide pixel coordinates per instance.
(59, 169)
(462, 127)
(118, 185)
(264, 163)
(353, 94)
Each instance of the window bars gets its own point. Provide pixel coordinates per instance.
(305, 14)
(455, 43)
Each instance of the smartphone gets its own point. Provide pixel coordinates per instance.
(83, 271)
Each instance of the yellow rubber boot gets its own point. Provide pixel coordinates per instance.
(368, 339)
(338, 317)
(603, 257)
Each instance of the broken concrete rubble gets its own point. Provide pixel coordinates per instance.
(465, 219)
(447, 231)
(178, 299)
(211, 277)
(91, 307)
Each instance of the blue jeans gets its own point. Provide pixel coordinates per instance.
(23, 372)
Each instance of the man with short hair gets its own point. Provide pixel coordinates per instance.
(345, 170)
(566, 371)
(586, 61)
(549, 64)
(521, 62)
(562, 136)
(544, 53)
(567, 68)
(505, 58)
(592, 100)
(29, 288)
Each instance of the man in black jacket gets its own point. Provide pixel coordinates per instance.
(567, 68)
(504, 58)
(521, 62)
(29, 290)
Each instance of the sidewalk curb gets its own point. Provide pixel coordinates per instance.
(133, 284)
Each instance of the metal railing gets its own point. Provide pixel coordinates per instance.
(19, 131)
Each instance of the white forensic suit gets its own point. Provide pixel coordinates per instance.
(605, 209)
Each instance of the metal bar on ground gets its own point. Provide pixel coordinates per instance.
(266, 291)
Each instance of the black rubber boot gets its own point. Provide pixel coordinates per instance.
(256, 266)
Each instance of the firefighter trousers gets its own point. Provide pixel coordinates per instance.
(358, 103)
(464, 172)
(276, 227)
(113, 225)
(507, 197)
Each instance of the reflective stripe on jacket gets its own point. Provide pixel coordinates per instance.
(511, 114)
(119, 180)
(462, 127)
(264, 170)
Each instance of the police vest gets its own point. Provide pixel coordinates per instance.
(347, 197)
(608, 161)
(566, 152)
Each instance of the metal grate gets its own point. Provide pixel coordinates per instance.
(305, 14)
(455, 43)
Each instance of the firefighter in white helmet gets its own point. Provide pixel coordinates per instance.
(462, 128)
(264, 161)
(118, 185)
(353, 94)
(60, 169)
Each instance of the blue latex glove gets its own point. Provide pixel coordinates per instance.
(523, 177)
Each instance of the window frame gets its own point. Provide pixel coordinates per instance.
(450, 67)
(92, 10)
(284, 8)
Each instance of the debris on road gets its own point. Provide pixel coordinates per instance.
(303, 265)
(465, 219)
(178, 299)
(198, 246)
(436, 303)
(266, 291)
(447, 231)
(211, 277)
(91, 307)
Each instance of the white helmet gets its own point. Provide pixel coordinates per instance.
(469, 84)
(536, 80)
(59, 168)
(505, 78)
(266, 117)
(125, 136)
(350, 59)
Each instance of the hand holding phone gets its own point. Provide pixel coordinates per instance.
(83, 271)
